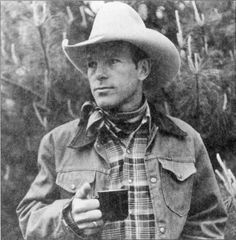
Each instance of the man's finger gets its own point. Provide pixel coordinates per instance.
(83, 205)
(91, 231)
(93, 224)
(88, 216)
(83, 191)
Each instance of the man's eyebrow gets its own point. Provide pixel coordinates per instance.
(112, 53)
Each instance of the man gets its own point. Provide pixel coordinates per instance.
(122, 141)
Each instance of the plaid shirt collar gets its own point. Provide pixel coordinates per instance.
(165, 126)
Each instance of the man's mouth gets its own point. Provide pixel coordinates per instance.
(102, 89)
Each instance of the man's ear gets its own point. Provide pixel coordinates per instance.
(144, 68)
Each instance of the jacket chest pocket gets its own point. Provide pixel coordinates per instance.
(70, 181)
(177, 181)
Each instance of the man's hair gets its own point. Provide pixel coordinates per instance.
(137, 54)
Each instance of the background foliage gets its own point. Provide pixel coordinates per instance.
(40, 88)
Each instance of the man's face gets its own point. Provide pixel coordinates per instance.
(113, 77)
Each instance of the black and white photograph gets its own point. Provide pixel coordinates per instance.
(118, 120)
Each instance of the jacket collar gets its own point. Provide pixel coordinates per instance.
(165, 125)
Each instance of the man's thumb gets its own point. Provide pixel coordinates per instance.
(83, 191)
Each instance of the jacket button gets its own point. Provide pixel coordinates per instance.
(72, 186)
(162, 230)
(153, 180)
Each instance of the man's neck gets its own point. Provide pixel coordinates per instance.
(127, 109)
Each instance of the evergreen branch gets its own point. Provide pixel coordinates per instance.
(179, 34)
(212, 85)
(226, 177)
(200, 20)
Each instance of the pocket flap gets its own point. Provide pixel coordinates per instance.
(73, 180)
(182, 170)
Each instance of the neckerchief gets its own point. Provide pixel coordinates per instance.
(117, 122)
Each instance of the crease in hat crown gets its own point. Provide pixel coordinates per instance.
(118, 21)
(116, 18)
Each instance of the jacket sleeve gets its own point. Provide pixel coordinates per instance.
(40, 212)
(207, 217)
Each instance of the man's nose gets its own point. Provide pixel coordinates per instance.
(101, 71)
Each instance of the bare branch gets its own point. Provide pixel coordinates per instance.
(42, 120)
(22, 87)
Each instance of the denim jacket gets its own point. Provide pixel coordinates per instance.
(183, 189)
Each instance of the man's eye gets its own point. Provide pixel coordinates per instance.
(113, 61)
(92, 64)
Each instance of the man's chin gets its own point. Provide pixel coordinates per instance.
(108, 106)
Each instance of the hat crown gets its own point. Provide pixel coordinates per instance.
(116, 19)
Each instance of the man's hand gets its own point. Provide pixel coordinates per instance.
(85, 211)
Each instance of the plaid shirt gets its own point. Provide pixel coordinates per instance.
(126, 156)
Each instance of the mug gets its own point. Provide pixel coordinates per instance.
(114, 204)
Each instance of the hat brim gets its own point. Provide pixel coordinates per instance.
(164, 55)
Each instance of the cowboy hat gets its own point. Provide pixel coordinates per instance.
(118, 21)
